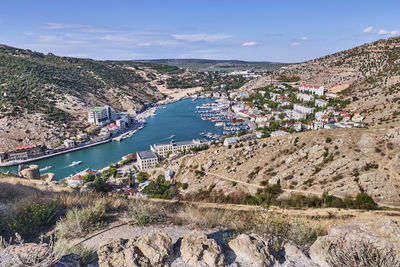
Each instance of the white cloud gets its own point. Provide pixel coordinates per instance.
(368, 29)
(295, 44)
(199, 37)
(304, 38)
(75, 27)
(145, 44)
(395, 33)
(382, 32)
(251, 43)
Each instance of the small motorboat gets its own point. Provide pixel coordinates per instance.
(74, 163)
(45, 168)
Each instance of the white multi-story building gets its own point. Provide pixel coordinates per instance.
(162, 149)
(146, 160)
(302, 108)
(304, 97)
(297, 115)
(101, 115)
(313, 89)
(321, 103)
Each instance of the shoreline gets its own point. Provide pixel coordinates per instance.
(14, 163)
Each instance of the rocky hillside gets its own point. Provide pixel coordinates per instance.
(370, 72)
(56, 226)
(43, 97)
(342, 162)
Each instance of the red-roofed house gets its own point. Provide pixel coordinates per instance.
(74, 181)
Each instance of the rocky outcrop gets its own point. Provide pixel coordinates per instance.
(122, 252)
(372, 243)
(197, 248)
(30, 172)
(150, 249)
(252, 250)
(156, 246)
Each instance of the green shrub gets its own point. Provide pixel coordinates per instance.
(34, 218)
(139, 215)
(89, 177)
(142, 177)
(160, 188)
(364, 201)
(79, 222)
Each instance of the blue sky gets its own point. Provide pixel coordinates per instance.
(279, 30)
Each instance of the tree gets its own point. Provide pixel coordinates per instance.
(142, 177)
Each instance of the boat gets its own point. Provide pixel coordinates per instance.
(45, 168)
(74, 163)
(172, 136)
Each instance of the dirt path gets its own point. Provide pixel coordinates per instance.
(305, 192)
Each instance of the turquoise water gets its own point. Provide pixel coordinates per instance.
(178, 118)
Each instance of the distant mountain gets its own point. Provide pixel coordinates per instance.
(217, 65)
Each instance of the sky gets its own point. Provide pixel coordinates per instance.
(257, 30)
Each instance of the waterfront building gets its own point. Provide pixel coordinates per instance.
(163, 149)
(101, 115)
(146, 160)
(22, 152)
(313, 89)
(69, 143)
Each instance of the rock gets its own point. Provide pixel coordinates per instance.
(156, 246)
(9, 260)
(294, 257)
(371, 243)
(71, 260)
(251, 249)
(209, 164)
(30, 252)
(367, 140)
(197, 248)
(122, 252)
(30, 172)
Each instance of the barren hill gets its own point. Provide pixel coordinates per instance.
(342, 162)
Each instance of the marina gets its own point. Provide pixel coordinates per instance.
(218, 113)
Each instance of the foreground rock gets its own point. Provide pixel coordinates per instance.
(121, 252)
(150, 249)
(372, 243)
(156, 246)
(252, 250)
(197, 248)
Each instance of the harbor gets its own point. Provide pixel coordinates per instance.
(218, 113)
(178, 119)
